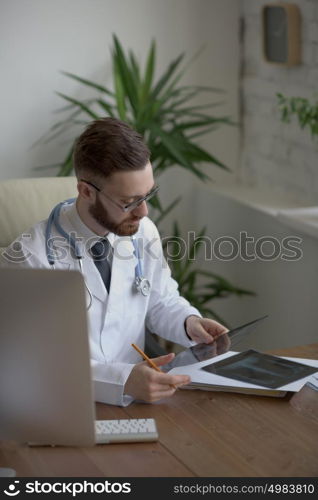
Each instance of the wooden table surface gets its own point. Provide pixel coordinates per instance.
(201, 433)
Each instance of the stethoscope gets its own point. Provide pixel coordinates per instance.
(140, 284)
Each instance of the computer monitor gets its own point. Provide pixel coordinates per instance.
(46, 393)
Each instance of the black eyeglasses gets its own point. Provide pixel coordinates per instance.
(130, 206)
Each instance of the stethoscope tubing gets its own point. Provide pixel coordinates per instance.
(142, 285)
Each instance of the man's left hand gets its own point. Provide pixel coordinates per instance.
(203, 330)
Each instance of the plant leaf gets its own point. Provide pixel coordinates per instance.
(120, 95)
(82, 106)
(88, 83)
(195, 153)
(134, 66)
(166, 76)
(106, 107)
(67, 165)
(126, 75)
(165, 212)
(172, 144)
(150, 65)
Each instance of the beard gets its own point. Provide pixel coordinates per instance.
(127, 227)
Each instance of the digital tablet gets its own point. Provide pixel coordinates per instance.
(222, 344)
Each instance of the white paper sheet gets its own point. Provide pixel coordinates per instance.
(200, 376)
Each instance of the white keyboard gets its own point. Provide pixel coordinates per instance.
(125, 430)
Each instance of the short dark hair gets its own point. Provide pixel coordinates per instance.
(109, 145)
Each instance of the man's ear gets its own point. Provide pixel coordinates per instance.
(86, 191)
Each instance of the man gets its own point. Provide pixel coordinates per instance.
(114, 181)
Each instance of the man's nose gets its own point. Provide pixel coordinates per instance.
(141, 210)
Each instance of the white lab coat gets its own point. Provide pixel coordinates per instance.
(119, 319)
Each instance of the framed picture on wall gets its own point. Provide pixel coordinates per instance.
(281, 33)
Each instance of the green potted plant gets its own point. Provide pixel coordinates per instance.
(305, 111)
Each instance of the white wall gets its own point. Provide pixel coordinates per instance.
(38, 38)
(277, 156)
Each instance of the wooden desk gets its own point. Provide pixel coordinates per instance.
(202, 434)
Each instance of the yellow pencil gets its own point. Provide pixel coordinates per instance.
(149, 361)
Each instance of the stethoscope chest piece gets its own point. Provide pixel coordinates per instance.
(142, 285)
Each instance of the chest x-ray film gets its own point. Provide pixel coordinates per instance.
(257, 368)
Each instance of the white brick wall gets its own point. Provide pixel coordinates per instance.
(278, 156)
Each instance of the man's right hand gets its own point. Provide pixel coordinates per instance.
(148, 385)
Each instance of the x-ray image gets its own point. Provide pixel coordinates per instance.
(257, 368)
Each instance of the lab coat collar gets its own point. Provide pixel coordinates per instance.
(123, 251)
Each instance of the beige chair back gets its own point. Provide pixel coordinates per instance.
(24, 202)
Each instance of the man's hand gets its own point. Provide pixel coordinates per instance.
(147, 384)
(203, 330)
